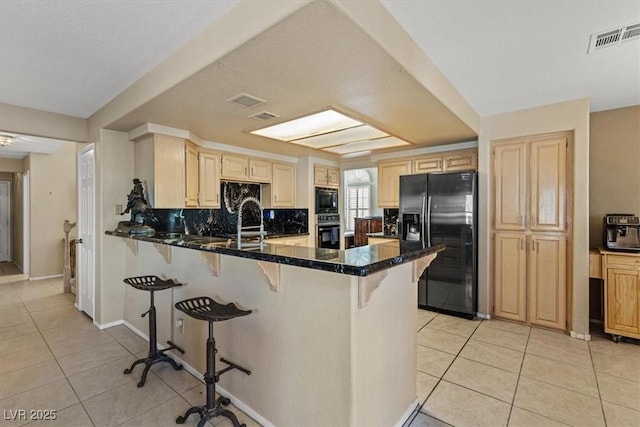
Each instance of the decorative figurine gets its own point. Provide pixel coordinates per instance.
(137, 205)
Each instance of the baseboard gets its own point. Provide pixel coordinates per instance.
(221, 390)
(408, 413)
(55, 276)
(108, 325)
(483, 316)
(585, 337)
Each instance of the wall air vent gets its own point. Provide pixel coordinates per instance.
(264, 115)
(614, 36)
(246, 100)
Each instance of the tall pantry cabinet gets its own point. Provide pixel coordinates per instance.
(531, 200)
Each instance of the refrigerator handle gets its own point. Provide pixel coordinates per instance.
(429, 221)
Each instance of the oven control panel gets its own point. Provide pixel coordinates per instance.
(328, 219)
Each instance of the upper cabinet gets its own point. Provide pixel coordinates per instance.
(326, 176)
(389, 173)
(548, 184)
(235, 167)
(191, 174)
(510, 186)
(160, 165)
(208, 179)
(282, 191)
(259, 170)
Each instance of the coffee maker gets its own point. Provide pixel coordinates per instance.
(622, 232)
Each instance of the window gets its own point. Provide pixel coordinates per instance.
(357, 196)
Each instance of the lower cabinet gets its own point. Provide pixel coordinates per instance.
(291, 241)
(538, 297)
(380, 240)
(622, 294)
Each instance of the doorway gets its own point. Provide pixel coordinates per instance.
(26, 218)
(5, 222)
(85, 252)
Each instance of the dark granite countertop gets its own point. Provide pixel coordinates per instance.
(383, 235)
(360, 261)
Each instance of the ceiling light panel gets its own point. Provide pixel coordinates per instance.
(376, 144)
(304, 127)
(345, 136)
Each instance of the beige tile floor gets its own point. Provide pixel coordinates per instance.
(470, 373)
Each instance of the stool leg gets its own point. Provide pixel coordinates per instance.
(137, 362)
(209, 377)
(190, 411)
(143, 378)
(228, 414)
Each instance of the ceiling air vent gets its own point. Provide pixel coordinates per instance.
(264, 115)
(614, 37)
(246, 100)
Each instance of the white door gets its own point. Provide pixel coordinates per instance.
(4, 221)
(86, 230)
(26, 221)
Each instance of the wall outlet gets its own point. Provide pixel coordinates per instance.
(180, 325)
(118, 209)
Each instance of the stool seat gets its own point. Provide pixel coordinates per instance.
(205, 308)
(150, 283)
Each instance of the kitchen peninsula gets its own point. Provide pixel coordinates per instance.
(327, 327)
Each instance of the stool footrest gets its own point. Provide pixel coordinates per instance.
(231, 366)
(172, 346)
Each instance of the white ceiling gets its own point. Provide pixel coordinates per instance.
(72, 57)
(25, 144)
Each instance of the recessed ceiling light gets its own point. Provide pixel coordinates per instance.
(345, 136)
(375, 144)
(246, 100)
(315, 124)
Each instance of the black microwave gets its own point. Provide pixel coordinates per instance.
(326, 200)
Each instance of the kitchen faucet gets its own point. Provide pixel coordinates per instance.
(241, 233)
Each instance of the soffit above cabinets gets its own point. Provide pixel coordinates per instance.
(316, 58)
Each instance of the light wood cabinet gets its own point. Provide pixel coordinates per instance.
(531, 198)
(159, 162)
(389, 173)
(326, 176)
(380, 240)
(290, 240)
(460, 161)
(428, 164)
(547, 280)
(259, 170)
(510, 276)
(622, 294)
(548, 184)
(235, 167)
(191, 175)
(281, 193)
(208, 179)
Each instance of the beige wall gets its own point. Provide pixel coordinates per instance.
(42, 123)
(53, 195)
(114, 172)
(17, 221)
(565, 116)
(614, 164)
(11, 165)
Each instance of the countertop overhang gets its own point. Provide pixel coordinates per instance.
(361, 261)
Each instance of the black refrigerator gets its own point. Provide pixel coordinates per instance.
(442, 208)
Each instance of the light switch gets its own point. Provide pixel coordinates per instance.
(118, 209)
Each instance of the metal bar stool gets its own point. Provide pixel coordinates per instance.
(151, 284)
(205, 308)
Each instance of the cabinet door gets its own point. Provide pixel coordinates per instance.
(259, 171)
(547, 281)
(320, 176)
(283, 186)
(168, 172)
(428, 164)
(209, 179)
(510, 186)
(622, 306)
(191, 175)
(461, 161)
(361, 226)
(389, 182)
(235, 167)
(333, 177)
(548, 184)
(510, 276)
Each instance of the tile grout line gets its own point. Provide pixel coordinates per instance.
(515, 391)
(61, 370)
(595, 374)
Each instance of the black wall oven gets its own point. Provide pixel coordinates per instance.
(326, 200)
(328, 235)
